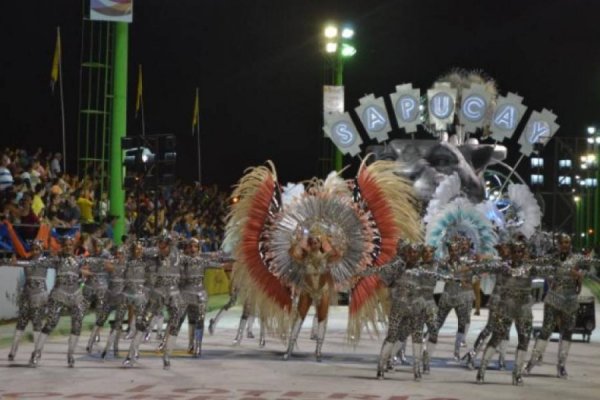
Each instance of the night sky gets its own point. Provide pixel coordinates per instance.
(260, 68)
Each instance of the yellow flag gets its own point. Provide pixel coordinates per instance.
(138, 100)
(196, 118)
(55, 61)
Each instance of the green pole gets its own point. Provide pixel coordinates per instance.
(119, 128)
(339, 81)
(596, 204)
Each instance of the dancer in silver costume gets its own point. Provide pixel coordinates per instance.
(494, 301)
(516, 304)
(135, 297)
(560, 305)
(113, 300)
(66, 294)
(457, 295)
(195, 298)
(166, 293)
(95, 289)
(393, 276)
(409, 308)
(427, 284)
(32, 297)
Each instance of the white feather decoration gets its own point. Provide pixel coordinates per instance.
(447, 190)
(526, 215)
(291, 191)
(335, 184)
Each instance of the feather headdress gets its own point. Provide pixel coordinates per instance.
(461, 218)
(524, 214)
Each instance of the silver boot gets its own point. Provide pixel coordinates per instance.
(485, 359)
(261, 339)
(460, 338)
(563, 352)
(417, 354)
(427, 356)
(240, 332)
(169, 346)
(15, 345)
(73, 339)
(384, 355)
(402, 354)
(314, 330)
(37, 352)
(321, 328)
(517, 373)
(502, 355)
(463, 342)
(191, 334)
(537, 355)
(133, 349)
(293, 338)
(90, 345)
(249, 326)
(393, 360)
(109, 342)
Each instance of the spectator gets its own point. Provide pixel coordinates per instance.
(56, 187)
(55, 166)
(6, 178)
(103, 207)
(69, 212)
(85, 203)
(37, 204)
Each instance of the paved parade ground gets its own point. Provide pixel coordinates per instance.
(249, 372)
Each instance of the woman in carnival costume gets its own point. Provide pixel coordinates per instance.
(448, 228)
(316, 244)
(70, 270)
(33, 296)
(521, 219)
(560, 304)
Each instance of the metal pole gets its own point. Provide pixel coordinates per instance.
(62, 104)
(119, 128)
(512, 171)
(596, 204)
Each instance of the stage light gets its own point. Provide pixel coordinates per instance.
(331, 32)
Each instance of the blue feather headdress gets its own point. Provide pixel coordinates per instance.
(460, 218)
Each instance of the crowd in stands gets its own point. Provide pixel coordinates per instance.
(34, 189)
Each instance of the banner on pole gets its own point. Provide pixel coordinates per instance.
(333, 99)
(111, 10)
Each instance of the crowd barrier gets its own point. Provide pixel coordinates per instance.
(13, 242)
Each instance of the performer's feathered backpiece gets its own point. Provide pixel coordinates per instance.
(362, 221)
